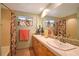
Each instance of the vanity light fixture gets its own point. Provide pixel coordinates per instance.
(46, 10)
(44, 13)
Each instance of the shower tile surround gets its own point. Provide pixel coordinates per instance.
(60, 27)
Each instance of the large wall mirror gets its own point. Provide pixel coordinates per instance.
(65, 21)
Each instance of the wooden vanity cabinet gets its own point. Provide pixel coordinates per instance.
(40, 49)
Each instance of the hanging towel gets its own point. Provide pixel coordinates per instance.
(24, 34)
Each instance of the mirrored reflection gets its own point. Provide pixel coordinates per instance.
(64, 26)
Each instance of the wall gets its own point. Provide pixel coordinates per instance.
(5, 27)
(0, 29)
(71, 28)
(6, 17)
(25, 44)
(78, 24)
(76, 41)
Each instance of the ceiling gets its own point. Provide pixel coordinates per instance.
(64, 9)
(35, 8)
(61, 10)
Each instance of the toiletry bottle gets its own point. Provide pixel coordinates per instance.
(46, 33)
(42, 30)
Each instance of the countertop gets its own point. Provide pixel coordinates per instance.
(58, 52)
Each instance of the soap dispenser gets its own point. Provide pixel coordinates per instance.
(38, 31)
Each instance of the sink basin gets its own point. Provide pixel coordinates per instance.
(60, 45)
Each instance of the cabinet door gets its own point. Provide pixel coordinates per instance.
(35, 45)
(49, 53)
(40, 49)
(44, 51)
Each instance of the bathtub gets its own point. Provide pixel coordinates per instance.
(5, 50)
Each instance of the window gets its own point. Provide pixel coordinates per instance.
(25, 20)
(48, 22)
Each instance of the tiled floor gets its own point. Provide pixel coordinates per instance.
(25, 52)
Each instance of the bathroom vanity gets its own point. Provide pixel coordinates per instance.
(40, 49)
(52, 47)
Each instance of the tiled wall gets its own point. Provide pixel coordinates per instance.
(60, 27)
